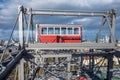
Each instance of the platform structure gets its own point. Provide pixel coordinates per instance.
(47, 60)
(55, 46)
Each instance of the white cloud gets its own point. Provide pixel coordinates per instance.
(4, 34)
(84, 21)
(6, 17)
(10, 7)
(1, 5)
(100, 1)
(118, 18)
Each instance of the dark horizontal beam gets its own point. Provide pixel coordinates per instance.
(91, 54)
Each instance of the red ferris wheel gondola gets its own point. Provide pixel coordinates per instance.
(51, 33)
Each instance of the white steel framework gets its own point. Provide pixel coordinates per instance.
(32, 49)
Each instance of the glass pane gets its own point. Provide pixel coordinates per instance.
(69, 30)
(44, 30)
(63, 30)
(50, 31)
(57, 30)
(76, 31)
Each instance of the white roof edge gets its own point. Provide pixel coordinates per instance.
(60, 25)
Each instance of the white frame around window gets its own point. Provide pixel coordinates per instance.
(60, 32)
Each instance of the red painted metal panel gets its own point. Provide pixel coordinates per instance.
(48, 39)
(59, 39)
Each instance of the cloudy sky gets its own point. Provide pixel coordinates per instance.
(9, 11)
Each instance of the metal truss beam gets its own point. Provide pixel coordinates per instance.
(66, 13)
(11, 65)
(108, 56)
(52, 46)
(21, 27)
(101, 54)
(55, 55)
